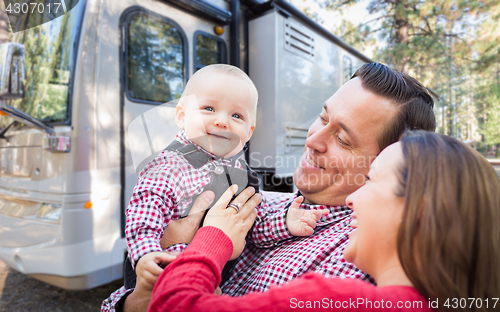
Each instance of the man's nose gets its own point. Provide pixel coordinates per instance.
(317, 140)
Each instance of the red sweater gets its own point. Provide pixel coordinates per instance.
(188, 284)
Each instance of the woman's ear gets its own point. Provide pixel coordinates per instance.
(179, 115)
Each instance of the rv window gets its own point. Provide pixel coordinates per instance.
(208, 50)
(155, 54)
(50, 51)
(347, 68)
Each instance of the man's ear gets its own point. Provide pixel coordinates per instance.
(179, 115)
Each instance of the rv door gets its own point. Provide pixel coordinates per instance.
(162, 45)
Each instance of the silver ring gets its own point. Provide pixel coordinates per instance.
(236, 206)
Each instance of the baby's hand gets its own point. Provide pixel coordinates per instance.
(301, 222)
(148, 271)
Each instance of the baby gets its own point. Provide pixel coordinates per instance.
(217, 115)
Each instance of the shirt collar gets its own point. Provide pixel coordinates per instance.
(333, 209)
(182, 138)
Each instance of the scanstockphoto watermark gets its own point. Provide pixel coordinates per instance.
(344, 175)
(355, 303)
(365, 303)
(25, 14)
(149, 134)
(321, 161)
(334, 170)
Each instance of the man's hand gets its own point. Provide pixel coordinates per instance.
(301, 222)
(148, 269)
(183, 230)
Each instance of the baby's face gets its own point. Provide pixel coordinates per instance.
(220, 116)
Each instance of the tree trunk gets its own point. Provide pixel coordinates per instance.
(401, 31)
(4, 27)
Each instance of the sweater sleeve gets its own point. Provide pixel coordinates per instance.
(188, 283)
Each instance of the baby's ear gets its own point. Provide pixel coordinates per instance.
(250, 133)
(179, 115)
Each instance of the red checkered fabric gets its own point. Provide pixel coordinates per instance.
(258, 268)
(164, 192)
(272, 255)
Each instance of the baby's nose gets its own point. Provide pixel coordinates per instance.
(221, 122)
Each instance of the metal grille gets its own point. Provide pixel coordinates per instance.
(299, 40)
(295, 139)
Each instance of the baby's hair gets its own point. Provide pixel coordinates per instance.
(222, 69)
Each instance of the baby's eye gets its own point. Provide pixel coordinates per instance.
(210, 109)
(236, 116)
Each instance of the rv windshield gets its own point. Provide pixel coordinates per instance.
(50, 51)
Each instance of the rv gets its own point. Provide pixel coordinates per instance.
(87, 97)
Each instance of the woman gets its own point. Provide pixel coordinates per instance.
(427, 230)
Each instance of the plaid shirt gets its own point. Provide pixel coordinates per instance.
(275, 262)
(259, 268)
(272, 254)
(164, 192)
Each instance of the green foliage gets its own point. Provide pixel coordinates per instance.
(491, 124)
(49, 53)
(451, 46)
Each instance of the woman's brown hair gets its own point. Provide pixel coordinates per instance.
(449, 239)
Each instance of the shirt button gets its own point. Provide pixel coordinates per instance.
(219, 170)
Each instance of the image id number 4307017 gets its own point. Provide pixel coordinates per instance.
(35, 7)
(455, 303)
(26, 14)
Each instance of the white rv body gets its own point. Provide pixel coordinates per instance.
(47, 229)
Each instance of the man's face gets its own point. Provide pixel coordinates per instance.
(342, 143)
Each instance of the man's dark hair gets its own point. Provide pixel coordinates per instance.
(412, 98)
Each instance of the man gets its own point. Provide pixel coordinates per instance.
(365, 115)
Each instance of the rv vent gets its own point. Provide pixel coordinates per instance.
(299, 40)
(295, 139)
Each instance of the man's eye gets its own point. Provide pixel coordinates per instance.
(236, 116)
(342, 142)
(322, 119)
(210, 109)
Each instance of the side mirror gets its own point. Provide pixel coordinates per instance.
(12, 71)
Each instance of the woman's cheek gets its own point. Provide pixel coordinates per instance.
(350, 250)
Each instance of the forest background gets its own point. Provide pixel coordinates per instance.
(451, 46)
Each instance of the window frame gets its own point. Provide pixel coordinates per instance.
(344, 59)
(197, 65)
(127, 16)
(68, 120)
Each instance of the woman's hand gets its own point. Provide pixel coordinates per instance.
(235, 224)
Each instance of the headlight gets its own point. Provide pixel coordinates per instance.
(48, 213)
